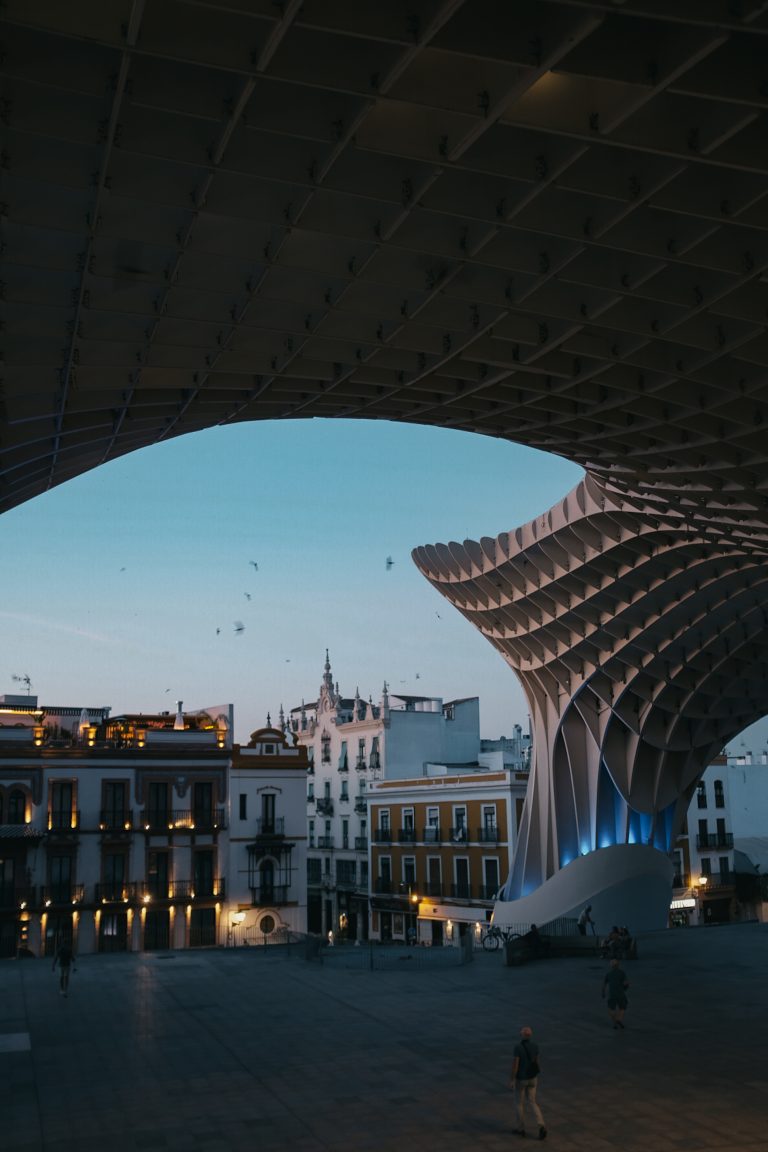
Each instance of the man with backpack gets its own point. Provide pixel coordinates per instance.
(525, 1071)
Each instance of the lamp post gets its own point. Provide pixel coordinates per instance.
(235, 921)
(702, 887)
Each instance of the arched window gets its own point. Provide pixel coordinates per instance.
(701, 794)
(719, 796)
(17, 807)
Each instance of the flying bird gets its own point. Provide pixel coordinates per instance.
(239, 627)
(254, 564)
(247, 595)
(389, 563)
(218, 630)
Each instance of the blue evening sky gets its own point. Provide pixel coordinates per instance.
(114, 585)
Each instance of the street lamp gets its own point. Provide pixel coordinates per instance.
(235, 921)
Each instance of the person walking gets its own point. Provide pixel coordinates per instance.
(523, 1078)
(616, 984)
(64, 957)
(584, 919)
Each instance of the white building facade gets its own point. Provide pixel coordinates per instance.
(147, 833)
(350, 743)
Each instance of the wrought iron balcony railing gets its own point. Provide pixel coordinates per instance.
(715, 840)
(269, 894)
(60, 894)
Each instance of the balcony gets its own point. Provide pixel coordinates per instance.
(382, 835)
(344, 765)
(273, 827)
(325, 842)
(115, 893)
(432, 835)
(209, 889)
(715, 840)
(406, 835)
(433, 888)
(461, 892)
(15, 897)
(360, 764)
(60, 894)
(64, 820)
(115, 821)
(457, 835)
(269, 894)
(181, 820)
(375, 762)
(361, 804)
(382, 886)
(361, 843)
(488, 835)
(488, 891)
(346, 880)
(325, 806)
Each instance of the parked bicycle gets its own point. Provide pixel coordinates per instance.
(495, 937)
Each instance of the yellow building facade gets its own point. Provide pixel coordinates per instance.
(440, 848)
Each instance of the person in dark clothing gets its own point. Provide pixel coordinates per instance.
(64, 958)
(616, 984)
(524, 1075)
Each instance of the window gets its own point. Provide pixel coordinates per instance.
(408, 820)
(311, 790)
(326, 790)
(461, 883)
(701, 794)
(60, 876)
(345, 833)
(311, 830)
(268, 812)
(62, 803)
(203, 878)
(113, 872)
(346, 872)
(385, 869)
(243, 806)
(361, 752)
(16, 807)
(157, 874)
(719, 796)
(325, 741)
(375, 758)
(459, 830)
(314, 874)
(432, 830)
(703, 834)
(202, 803)
(706, 866)
(489, 817)
(384, 819)
(725, 866)
(490, 878)
(363, 873)
(157, 804)
(344, 790)
(434, 876)
(409, 870)
(343, 757)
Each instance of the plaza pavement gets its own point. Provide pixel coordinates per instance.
(249, 1049)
